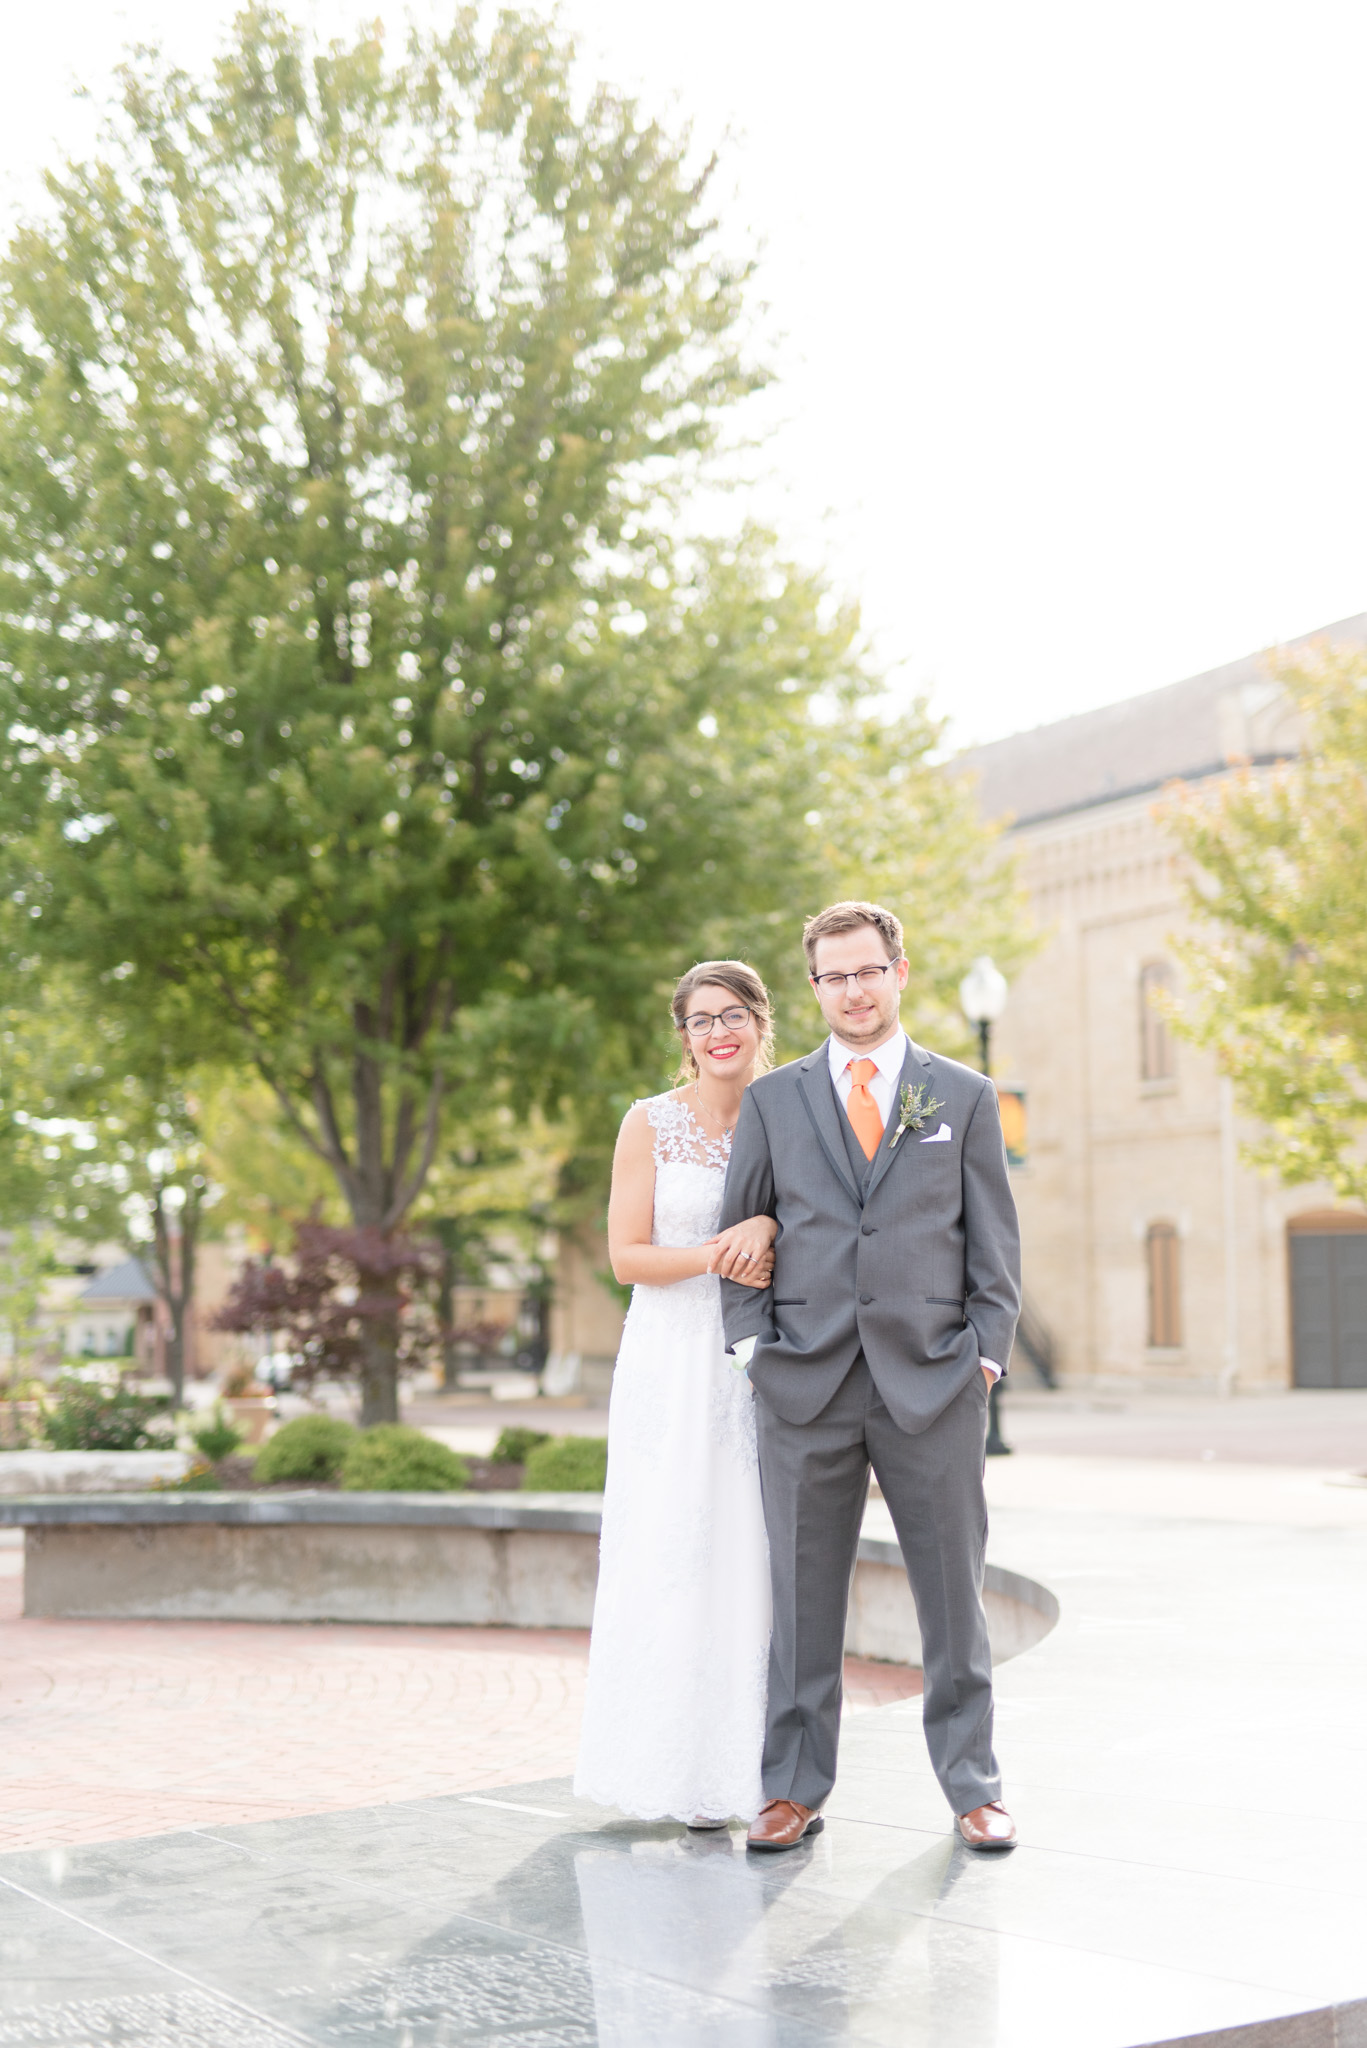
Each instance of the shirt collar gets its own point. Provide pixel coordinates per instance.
(888, 1058)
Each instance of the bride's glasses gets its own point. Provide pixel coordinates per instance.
(700, 1024)
(867, 977)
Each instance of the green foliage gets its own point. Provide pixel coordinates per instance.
(24, 1264)
(1277, 972)
(101, 1130)
(568, 1464)
(395, 1459)
(87, 1416)
(897, 829)
(201, 1478)
(367, 723)
(217, 1438)
(514, 1444)
(311, 1447)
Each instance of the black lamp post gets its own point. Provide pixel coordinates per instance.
(982, 995)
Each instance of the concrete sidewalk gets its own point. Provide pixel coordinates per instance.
(1320, 1430)
(1292, 1496)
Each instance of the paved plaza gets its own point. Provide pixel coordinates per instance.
(227, 1834)
(123, 1728)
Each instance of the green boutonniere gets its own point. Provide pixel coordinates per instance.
(915, 1110)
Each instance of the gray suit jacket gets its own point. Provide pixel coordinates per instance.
(915, 1260)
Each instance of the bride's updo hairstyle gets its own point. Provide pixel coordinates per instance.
(745, 985)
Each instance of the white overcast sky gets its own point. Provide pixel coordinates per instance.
(1068, 301)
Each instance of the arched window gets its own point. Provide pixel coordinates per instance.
(1157, 1054)
(1165, 1286)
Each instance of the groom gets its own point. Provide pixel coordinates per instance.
(892, 1308)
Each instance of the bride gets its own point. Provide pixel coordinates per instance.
(674, 1711)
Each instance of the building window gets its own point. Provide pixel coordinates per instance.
(1157, 1053)
(1165, 1287)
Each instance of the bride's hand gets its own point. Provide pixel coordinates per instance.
(745, 1252)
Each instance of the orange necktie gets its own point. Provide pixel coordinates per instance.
(861, 1108)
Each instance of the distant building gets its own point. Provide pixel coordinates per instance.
(115, 1316)
(1150, 1252)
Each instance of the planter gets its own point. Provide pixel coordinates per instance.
(512, 1560)
(251, 1413)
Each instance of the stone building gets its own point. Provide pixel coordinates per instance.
(1151, 1252)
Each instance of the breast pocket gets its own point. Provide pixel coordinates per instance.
(937, 1158)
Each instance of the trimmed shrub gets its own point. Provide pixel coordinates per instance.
(567, 1464)
(392, 1458)
(217, 1438)
(514, 1445)
(89, 1417)
(310, 1447)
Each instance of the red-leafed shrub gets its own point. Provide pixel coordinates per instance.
(340, 1291)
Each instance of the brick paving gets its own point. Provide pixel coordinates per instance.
(110, 1729)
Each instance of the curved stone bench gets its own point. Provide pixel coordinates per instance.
(514, 1560)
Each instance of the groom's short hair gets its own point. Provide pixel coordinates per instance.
(847, 917)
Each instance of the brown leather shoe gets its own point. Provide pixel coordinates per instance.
(988, 1827)
(782, 1824)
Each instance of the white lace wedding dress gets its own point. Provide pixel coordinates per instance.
(674, 1710)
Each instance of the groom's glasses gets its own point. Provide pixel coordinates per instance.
(867, 977)
(700, 1024)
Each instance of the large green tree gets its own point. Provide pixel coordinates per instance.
(359, 699)
(1277, 973)
(372, 722)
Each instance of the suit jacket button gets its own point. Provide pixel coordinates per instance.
(866, 1299)
(866, 1230)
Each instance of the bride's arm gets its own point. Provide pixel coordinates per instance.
(744, 1251)
(631, 1213)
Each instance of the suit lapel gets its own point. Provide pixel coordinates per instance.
(912, 1071)
(818, 1099)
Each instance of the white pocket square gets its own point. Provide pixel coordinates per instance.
(940, 1137)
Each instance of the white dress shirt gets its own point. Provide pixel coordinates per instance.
(889, 1059)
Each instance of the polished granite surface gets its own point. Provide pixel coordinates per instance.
(1175, 1753)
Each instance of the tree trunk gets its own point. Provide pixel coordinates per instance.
(379, 1354)
(175, 1262)
(448, 1237)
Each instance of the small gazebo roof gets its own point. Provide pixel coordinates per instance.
(125, 1285)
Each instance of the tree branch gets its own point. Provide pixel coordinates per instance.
(264, 1068)
(407, 1194)
(326, 1113)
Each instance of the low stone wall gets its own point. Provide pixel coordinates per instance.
(28, 1472)
(523, 1578)
(517, 1560)
(882, 1614)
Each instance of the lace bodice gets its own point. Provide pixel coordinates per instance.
(690, 1173)
(681, 1138)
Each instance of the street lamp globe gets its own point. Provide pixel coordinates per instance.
(982, 994)
(983, 990)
